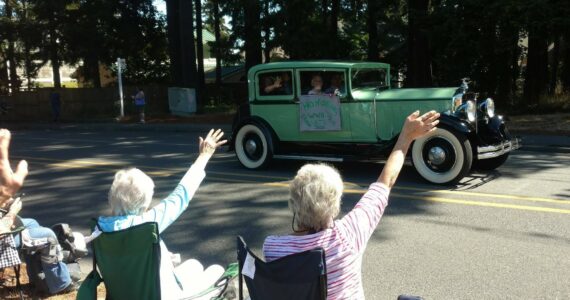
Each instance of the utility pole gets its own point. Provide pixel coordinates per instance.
(121, 64)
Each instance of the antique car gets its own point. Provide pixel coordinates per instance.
(337, 111)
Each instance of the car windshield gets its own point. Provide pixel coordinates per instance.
(368, 78)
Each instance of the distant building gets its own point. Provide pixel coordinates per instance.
(72, 77)
(230, 74)
(45, 76)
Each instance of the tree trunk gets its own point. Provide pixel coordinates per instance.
(372, 20)
(252, 34)
(507, 63)
(487, 47)
(201, 87)
(10, 52)
(28, 65)
(419, 60)
(554, 63)
(355, 6)
(91, 67)
(325, 13)
(218, 39)
(54, 57)
(187, 47)
(174, 45)
(565, 74)
(3, 75)
(536, 76)
(267, 33)
(334, 28)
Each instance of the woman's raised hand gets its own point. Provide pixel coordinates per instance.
(212, 141)
(417, 126)
(10, 181)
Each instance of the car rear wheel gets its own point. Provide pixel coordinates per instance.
(253, 146)
(442, 157)
(491, 163)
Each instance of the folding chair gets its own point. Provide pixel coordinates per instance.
(298, 276)
(129, 262)
(9, 254)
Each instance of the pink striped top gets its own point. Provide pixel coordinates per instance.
(344, 244)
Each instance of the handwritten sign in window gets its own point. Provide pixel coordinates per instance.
(319, 113)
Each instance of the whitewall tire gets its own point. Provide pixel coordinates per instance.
(442, 157)
(253, 147)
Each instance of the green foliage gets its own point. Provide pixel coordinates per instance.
(481, 39)
(227, 43)
(133, 30)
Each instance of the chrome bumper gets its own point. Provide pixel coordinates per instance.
(485, 152)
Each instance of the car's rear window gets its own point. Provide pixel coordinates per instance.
(275, 83)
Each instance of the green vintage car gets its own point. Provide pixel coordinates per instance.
(336, 111)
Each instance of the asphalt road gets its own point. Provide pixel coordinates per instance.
(500, 235)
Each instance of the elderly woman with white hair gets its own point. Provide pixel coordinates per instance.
(130, 196)
(315, 197)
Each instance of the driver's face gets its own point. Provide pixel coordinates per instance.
(317, 81)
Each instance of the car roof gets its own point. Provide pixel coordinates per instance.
(317, 64)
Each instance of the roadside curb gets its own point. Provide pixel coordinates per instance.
(531, 140)
(181, 127)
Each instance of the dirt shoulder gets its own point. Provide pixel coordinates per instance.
(548, 124)
(218, 118)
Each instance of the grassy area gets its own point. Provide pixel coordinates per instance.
(66, 84)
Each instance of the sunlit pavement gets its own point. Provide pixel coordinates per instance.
(504, 234)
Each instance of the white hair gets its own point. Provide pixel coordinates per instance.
(131, 192)
(315, 195)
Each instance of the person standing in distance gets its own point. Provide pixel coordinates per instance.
(140, 104)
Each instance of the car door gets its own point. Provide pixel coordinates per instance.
(275, 101)
(366, 84)
(322, 114)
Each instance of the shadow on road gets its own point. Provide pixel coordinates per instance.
(222, 208)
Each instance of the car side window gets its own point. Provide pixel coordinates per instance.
(311, 83)
(335, 83)
(323, 82)
(275, 83)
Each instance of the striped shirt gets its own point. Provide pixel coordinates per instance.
(344, 244)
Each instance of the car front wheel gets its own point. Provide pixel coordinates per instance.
(252, 146)
(442, 157)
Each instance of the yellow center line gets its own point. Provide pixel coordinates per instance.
(486, 195)
(80, 166)
(487, 204)
(446, 200)
(403, 188)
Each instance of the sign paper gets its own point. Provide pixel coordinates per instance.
(319, 113)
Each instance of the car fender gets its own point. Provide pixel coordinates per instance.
(455, 123)
(272, 139)
(460, 126)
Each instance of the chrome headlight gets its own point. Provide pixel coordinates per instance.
(469, 110)
(488, 107)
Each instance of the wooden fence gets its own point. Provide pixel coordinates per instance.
(92, 103)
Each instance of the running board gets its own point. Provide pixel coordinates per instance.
(303, 157)
(407, 161)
